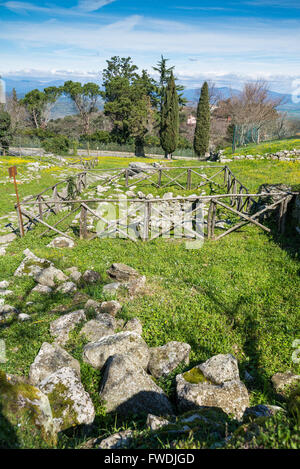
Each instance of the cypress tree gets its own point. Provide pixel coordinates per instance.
(202, 130)
(169, 131)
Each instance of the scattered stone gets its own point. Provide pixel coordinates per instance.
(134, 286)
(111, 288)
(5, 292)
(24, 317)
(67, 288)
(32, 265)
(4, 285)
(71, 404)
(282, 380)
(92, 305)
(122, 273)
(94, 330)
(7, 312)
(50, 277)
(61, 242)
(163, 360)
(19, 402)
(134, 325)
(127, 389)
(91, 277)
(221, 368)
(127, 343)
(51, 358)
(61, 327)
(262, 410)
(8, 238)
(195, 389)
(110, 307)
(41, 289)
(155, 423)
(117, 441)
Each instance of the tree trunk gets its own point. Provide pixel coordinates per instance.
(139, 148)
(168, 156)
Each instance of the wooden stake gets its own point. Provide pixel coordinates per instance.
(12, 173)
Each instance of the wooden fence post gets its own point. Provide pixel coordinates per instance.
(147, 216)
(126, 177)
(159, 177)
(282, 216)
(189, 179)
(40, 207)
(83, 223)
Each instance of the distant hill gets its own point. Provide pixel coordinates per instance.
(288, 106)
(65, 107)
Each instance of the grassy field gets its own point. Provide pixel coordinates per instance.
(239, 295)
(266, 147)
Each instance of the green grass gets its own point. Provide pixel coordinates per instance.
(272, 146)
(239, 295)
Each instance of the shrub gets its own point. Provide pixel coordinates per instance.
(57, 145)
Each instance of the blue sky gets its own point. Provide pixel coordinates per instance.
(226, 41)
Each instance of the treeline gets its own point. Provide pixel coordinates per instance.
(142, 111)
(139, 109)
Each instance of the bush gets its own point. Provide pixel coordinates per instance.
(57, 145)
(100, 136)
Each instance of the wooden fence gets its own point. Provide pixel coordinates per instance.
(148, 219)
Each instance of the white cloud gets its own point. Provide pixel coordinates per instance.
(84, 8)
(93, 5)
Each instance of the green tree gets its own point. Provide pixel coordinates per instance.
(129, 100)
(164, 76)
(85, 98)
(170, 119)
(38, 105)
(5, 131)
(202, 130)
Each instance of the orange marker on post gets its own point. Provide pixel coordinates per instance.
(12, 174)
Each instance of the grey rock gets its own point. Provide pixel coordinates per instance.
(122, 273)
(51, 358)
(117, 441)
(50, 277)
(155, 423)
(92, 305)
(8, 238)
(41, 289)
(110, 307)
(136, 285)
(7, 312)
(61, 327)
(30, 402)
(23, 317)
(71, 404)
(31, 265)
(221, 368)
(111, 288)
(94, 330)
(262, 410)
(91, 277)
(4, 285)
(282, 380)
(134, 325)
(127, 343)
(61, 242)
(232, 396)
(67, 288)
(163, 360)
(127, 389)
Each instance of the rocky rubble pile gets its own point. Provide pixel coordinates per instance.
(53, 392)
(286, 155)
